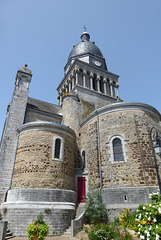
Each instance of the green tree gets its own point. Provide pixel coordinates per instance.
(95, 208)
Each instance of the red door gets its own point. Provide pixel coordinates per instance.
(81, 189)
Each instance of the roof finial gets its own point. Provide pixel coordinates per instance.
(85, 36)
(85, 29)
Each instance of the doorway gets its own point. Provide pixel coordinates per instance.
(81, 189)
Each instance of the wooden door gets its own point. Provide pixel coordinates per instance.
(81, 189)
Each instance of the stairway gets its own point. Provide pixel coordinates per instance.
(79, 211)
(67, 232)
(9, 234)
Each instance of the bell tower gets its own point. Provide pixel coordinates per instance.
(86, 76)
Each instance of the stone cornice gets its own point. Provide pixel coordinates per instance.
(85, 55)
(119, 107)
(47, 126)
(95, 92)
(72, 96)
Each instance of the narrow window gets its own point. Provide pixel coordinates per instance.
(101, 85)
(117, 150)
(83, 160)
(57, 148)
(94, 84)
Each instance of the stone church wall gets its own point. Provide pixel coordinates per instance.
(41, 182)
(34, 165)
(89, 142)
(138, 167)
(137, 173)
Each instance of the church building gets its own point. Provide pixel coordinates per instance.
(51, 155)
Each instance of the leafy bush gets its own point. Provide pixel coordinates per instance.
(40, 219)
(95, 208)
(39, 228)
(148, 218)
(108, 232)
(0, 216)
(127, 219)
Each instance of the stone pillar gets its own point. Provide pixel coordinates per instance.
(70, 84)
(60, 100)
(91, 80)
(72, 79)
(84, 78)
(98, 83)
(111, 88)
(105, 85)
(77, 72)
(66, 87)
(117, 90)
(63, 92)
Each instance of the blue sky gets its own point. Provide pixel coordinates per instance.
(42, 33)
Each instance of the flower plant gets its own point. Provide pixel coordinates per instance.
(108, 232)
(148, 218)
(127, 219)
(38, 228)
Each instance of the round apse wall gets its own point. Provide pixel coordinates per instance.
(40, 162)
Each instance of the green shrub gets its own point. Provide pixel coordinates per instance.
(95, 208)
(40, 219)
(0, 216)
(39, 228)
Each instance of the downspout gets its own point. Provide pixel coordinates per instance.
(99, 154)
(12, 167)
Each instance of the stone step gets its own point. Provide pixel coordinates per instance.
(9, 237)
(67, 232)
(9, 234)
(80, 210)
(68, 229)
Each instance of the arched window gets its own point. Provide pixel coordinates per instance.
(83, 160)
(57, 148)
(117, 150)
